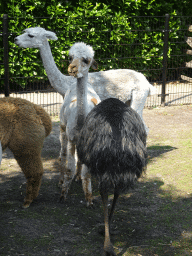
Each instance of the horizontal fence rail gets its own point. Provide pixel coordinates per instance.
(153, 45)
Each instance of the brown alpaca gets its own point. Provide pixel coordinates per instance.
(23, 128)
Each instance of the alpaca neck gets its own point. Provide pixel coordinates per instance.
(58, 81)
(82, 103)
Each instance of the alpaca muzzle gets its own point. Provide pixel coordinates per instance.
(16, 41)
(72, 70)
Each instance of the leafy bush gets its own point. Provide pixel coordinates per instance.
(119, 40)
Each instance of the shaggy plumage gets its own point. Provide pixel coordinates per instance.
(23, 128)
(112, 144)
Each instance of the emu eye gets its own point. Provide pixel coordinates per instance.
(30, 36)
(86, 61)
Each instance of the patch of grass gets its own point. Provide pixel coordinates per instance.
(152, 219)
(174, 165)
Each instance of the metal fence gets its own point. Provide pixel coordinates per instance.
(161, 57)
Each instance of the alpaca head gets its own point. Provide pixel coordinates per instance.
(34, 37)
(81, 59)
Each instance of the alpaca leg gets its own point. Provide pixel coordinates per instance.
(63, 140)
(62, 156)
(0, 153)
(138, 103)
(32, 167)
(86, 182)
(78, 171)
(69, 170)
(33, 186)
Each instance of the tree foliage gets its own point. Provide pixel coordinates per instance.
(111, 27)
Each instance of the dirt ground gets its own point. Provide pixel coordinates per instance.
(51, 228)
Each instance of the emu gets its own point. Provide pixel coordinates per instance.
(112, 144)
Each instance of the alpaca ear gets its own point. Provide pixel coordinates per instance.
(94, 65)
(51, 35)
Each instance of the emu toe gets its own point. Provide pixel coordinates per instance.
(108, 250)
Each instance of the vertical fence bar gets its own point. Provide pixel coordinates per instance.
(6, 54)
(165, 51)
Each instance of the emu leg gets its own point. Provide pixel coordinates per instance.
(86, 183)
(116, 196)
(108, 247)
(32, 167)
(69, 170)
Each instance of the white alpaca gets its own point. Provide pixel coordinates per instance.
(78, 102)
(125, 84)
(37, 38)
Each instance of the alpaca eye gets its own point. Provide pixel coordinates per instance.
(30, 36)
(70, 59)
(86, 61)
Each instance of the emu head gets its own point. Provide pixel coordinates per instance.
(34, 37)
(81, 59)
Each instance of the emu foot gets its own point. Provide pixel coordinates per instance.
(108, 250)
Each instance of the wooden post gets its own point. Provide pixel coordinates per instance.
(165, 51)
(6, 54)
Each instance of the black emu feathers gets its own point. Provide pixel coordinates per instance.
(112, 143)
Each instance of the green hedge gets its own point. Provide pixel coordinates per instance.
(119, 40)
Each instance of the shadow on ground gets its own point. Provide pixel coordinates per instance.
(148, 220)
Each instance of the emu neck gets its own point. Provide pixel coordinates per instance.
(56, 78)
(82, 103)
